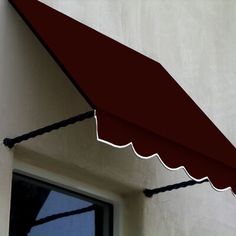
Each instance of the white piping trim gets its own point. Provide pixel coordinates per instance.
(157, 156)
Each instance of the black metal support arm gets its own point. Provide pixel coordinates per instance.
(151, 192)
(62, 215)
(10, 142)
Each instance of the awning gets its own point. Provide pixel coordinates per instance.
(135, 98)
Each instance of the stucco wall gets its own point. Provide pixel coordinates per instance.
(193, 40)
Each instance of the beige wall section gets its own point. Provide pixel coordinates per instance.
(199, 53)
(5, 188)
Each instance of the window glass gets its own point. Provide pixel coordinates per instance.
(40, 209)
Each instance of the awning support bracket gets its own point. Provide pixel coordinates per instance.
(10, 142)
(150, 192)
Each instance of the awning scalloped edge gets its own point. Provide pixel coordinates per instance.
(156, 155)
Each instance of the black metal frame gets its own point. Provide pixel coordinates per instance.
(151, 192)
(10, 142)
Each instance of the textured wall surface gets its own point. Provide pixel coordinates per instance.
(193, 40)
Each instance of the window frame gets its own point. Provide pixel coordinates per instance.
(103, 212)
(81, 186)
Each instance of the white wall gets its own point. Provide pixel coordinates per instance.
(195, 43)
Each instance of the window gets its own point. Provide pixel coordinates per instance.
(41, 209)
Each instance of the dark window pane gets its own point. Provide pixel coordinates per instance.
(39, 209)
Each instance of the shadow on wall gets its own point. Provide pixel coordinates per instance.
(34, 91)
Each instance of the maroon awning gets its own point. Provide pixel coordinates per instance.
(135, 98)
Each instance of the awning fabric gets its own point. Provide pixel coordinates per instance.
(135, 98)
